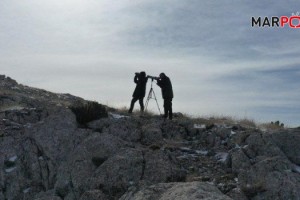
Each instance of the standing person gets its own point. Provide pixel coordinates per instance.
(167, 94)
(140, 80)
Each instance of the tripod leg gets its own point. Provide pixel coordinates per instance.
(156, 102)
(148, 98)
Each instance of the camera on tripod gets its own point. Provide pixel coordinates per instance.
(153, 77)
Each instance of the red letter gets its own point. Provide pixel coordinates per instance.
(291, 22)
(283, 20)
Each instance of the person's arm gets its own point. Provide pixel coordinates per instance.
(135, 78)
(159, 82)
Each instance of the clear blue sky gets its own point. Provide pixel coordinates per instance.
(218, 63)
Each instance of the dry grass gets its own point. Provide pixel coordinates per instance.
(247, 123)
(210, 120)
(148, 113)
(220, 120)
(121, 110)
(136, 112)
(270, 127)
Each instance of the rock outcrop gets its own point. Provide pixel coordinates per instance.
(51, 151)
(182, 191)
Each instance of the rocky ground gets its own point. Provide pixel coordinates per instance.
(45, 154)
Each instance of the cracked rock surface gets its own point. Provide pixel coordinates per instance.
(46, 155)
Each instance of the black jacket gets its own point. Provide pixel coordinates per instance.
(140, 88)
(166, 87)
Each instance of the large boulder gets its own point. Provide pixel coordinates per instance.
(257, 147)
(53, 134)
(288, 141)
(127, 129)
(261, 144)
(263, 168)
(74, 174)
(271, 178)
(151, 134)
(118, 173)
(176, 191)
(161, 166)
(239, 160)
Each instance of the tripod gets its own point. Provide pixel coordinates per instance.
(152, 95)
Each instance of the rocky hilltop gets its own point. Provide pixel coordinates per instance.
(52, 149)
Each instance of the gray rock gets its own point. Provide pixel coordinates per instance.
(71, 196)
(126, 129)
(151, 134)
(223, 133)
(211, 140)
(49, 198)
(161, 167)
(118, 173)
(288, 141)
(271, 178)
(172, 130)
(45, 155)
(49, 195)
(94, 195)
(174, 191)
(262, 145)
(239, 137)
(83, 162)
(239, 160)
(100, 124)
(237, 194)
(54, 133)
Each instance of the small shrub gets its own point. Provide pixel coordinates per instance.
(247, 123)
(88, 112)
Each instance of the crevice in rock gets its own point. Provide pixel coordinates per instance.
(48, 175)
(72, 187)
(45, 178)
(246, 154)
(4, 190)
(97, 161)
(143, 166)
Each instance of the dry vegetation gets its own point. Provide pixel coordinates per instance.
(207, 120)
(136, 112)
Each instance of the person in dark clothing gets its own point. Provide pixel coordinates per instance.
(167, 93)
(139, 93)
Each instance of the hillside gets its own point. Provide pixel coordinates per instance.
(62, 147)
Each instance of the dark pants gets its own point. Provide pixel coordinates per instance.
(168, 108)
(134, 99)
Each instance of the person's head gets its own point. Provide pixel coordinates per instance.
(162, 75)
(143, 74)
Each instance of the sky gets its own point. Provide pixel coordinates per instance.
(218, 63)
